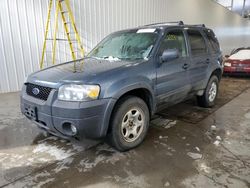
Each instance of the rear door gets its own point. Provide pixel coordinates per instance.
(172, 78)
(200, 59)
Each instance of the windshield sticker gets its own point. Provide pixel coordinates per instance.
(145, 31)
(171, 37)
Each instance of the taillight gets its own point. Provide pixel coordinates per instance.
(227, 64)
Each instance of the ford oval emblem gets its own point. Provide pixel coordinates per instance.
(35, 91)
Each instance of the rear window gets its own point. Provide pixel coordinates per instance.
(197, 43)
(238, 49)
(213, 42)
(241, 55)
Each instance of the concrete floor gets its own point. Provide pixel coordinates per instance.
(186, 146)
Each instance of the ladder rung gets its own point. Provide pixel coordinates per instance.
(63, 40)
(78, 50)
(63, 12)
(67, 52)
(73, 41)
(62, 52)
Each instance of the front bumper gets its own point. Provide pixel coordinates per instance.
(91, 118)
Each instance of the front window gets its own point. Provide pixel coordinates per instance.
(174, 40)
(130, 45)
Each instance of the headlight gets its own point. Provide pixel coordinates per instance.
(74, 92)
(227, 64)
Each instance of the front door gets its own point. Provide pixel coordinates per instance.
(173, 84)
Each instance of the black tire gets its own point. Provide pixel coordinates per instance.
(204, 100)
(122, 114)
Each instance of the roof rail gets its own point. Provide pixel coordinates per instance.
(166, 23)
(198, 25)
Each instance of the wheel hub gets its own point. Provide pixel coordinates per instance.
(212, 92)
(132, 124)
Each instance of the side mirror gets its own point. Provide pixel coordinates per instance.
(169, 55)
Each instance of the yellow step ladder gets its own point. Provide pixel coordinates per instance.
(62, 7)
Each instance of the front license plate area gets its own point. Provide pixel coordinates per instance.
(30, 112)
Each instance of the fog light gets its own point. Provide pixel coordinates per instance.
(69, 129)
(73, 129)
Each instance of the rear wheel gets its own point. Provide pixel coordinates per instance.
(210, 94)
(129, 123)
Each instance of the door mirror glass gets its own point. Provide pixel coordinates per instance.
(169, 54)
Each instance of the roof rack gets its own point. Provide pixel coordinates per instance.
(166, 23)
(198, 25)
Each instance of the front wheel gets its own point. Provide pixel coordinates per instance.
(210, 93)
(129, 123)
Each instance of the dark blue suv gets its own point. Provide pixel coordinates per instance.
(123, 81)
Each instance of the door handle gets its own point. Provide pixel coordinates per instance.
(185, 66)
(207, 60)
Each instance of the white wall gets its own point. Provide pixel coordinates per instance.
(22, 25)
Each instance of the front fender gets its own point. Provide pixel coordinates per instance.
(120, 87)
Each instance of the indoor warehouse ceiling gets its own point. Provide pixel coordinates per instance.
(241, 7)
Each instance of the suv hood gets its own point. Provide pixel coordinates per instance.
(81, 72)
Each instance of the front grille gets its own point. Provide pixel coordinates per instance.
(37, 91)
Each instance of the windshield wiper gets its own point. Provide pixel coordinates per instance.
(111, 58)
(131, 58)
(92, 57)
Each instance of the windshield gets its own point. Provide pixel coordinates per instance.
(128, 45)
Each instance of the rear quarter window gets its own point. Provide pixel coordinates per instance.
(212, 40)
(197, 43)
